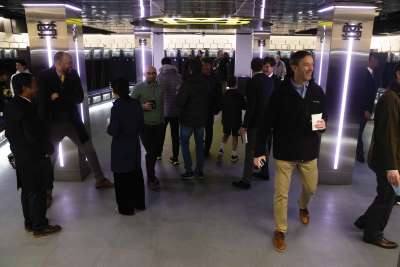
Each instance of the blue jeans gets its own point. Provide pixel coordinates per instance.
(185, 134)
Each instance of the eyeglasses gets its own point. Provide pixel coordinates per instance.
(152, 73)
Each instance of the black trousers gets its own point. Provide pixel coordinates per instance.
(129, 191)
(174, 125)
(360, 143)
(152, 137)
(377, 215)
(209, 134)
(33, 194)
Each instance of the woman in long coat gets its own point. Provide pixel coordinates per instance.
(126, 122)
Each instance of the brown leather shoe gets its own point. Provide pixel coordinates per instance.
(383, 243)
(304, 216)
(279, 241)
(104, 183)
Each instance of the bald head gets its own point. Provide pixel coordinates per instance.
(63, 62)
(151, 74)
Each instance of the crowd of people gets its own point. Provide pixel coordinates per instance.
(278, 113)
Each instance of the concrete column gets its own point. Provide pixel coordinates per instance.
(143, 53)
(342, 53)
(158, 47)
(243, 54)
(53, 28)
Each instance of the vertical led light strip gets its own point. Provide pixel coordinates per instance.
(143, 61)
(322, 58)
(262, 9)
(78, 68)
(261, 51)
(49, 51)
(141, 9)
(343, 103)
(50, 62)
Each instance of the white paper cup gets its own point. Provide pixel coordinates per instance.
(314, 119)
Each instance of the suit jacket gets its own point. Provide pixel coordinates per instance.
(27, 136)
(368, 90)
(63, 109)
(126, 122)
(258, 92)
(384, 153)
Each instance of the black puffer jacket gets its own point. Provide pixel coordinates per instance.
(289, 118)
(192, 102)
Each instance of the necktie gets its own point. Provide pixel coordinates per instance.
(62, 78)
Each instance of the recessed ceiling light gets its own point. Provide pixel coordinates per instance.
(300, 12)
(310, 11)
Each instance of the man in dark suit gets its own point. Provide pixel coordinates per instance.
(60, 91)
(367, 90)
(258, 92)
(32, 149)
(384, 160)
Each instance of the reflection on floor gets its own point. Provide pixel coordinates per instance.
(190, 224)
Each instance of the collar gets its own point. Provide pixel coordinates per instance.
(258, 72)
(25, 98)
(270, 76)
(299, 86)
(370, 70)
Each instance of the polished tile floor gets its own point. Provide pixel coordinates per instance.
(190, 224)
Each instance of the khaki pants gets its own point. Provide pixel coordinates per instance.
(283, 175)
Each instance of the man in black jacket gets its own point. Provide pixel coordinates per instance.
(192, 102)
(258, 92)
(214, 102)
(32, 149)
(60, 91)
(367, 91)
(296, 141)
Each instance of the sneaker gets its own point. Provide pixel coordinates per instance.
(104, 183)
(199, 175)
(174, 161)
(187, 175)
(48, 230)
(28, 228)
(154, 184)
(220, 155)
(241, 184)
(234, 159)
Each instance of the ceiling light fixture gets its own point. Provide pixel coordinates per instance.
(168, 21)
(54, 5)
(329, 8)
